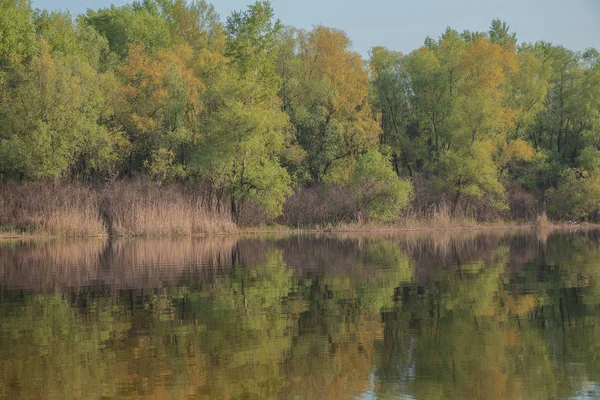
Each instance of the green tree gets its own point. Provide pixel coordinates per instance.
(139, 24)
(17, 38)
(244, 129)
(325, 93)
(472, 173)
(389, 92)
(51, 120)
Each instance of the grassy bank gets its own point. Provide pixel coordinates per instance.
(425, 227)
(143, 209)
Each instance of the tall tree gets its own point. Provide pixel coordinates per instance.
(244, 127)
(326, 96)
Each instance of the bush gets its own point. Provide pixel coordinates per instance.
(577, 196)
(318, 205)
(378, 192)
(523, 205)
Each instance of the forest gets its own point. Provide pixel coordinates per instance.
(161, 117)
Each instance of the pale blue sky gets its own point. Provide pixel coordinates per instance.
(403, 25)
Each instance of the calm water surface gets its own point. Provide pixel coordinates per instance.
(412, 316)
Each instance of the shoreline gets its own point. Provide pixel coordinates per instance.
(344, 228)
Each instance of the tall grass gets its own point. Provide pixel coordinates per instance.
(142, 209)
(50, 208)
(436, 216)
(132, 208)
(542, 220)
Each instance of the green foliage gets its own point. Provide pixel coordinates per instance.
(380, 194)
(51, 121)
(249, 108)
(589, 159)
(243, 132)
(499, 34)
(137, 24)
(576, 197)
(17, 38)
(389, 89)
(473, 174)
(251, 45)
(324, 90)
(162, 168)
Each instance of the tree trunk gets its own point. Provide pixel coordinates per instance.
(234, 211)
(130, 164)
(455, 205)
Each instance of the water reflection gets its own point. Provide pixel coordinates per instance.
(445, 316)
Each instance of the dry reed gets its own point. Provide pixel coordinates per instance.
(133, 208)
(542, 220)
(142, 209)
(49, 208)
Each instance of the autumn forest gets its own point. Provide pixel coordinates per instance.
(123, 117)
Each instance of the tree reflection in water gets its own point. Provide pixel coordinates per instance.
(444, 316)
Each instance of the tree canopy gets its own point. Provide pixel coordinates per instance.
(255, 110)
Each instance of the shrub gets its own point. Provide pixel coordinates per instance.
(576, 197)
(321, 204)
(378, 192)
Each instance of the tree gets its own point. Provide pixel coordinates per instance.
(139, 24)
(17, 39)
(479, 112)
(50, 121)
(472, 173)
(325, 92)
(433, 73)
(243, 130)
(159, 104)
(499, 34)
(527, 87)
(195, 23)
(389, 94)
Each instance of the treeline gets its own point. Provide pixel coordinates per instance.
(258, 118)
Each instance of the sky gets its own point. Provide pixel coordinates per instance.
(403, 25)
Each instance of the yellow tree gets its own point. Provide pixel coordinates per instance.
(327, 99)
(479, 123)
(158, 106)
(480, 112)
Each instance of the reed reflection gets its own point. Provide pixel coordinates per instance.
(428, 316)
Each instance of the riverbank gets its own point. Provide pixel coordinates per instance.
(143, 209)
(425, 227)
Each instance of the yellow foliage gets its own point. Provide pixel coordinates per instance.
(519, 305)
(486, 64)
(508, 118)
(329, 57)
(150, 84)
(517, 150)
(45, 62)
(480, 109)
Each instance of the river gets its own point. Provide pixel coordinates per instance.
(464, 315)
